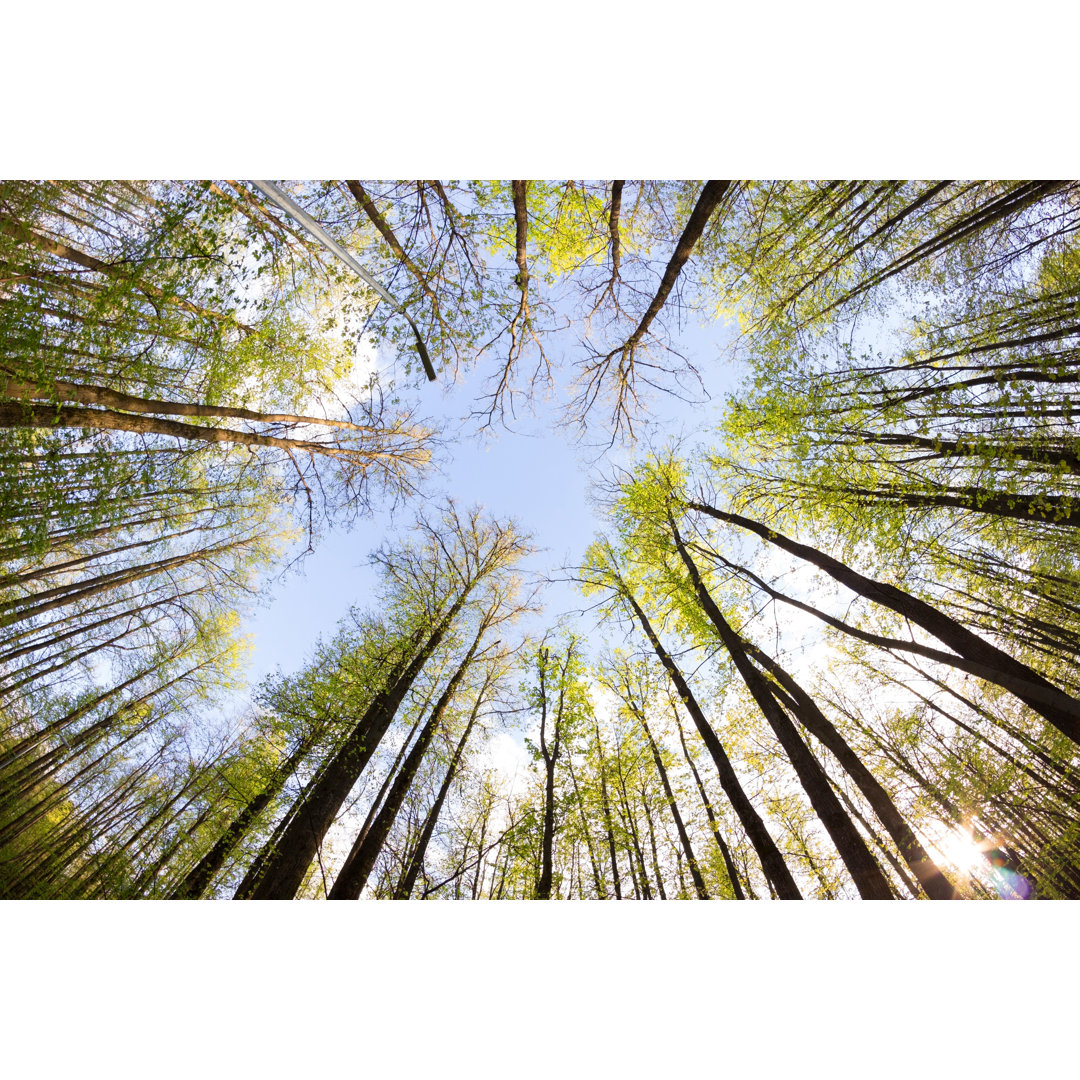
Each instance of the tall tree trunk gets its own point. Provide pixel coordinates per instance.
(23, 415)
(711, 195)
(57, 389)
(863, 867)
(684, 839)
(607, 813)
(641, 877)
(361, 859)
(771, 860)
(652, 844)
(407, 882)
(806, 711)
(285, 867)
(1059, 708)
(910, 884)
(200, 876)
(600, 890)
(551, 757)
(1056, 509)
(725, 853)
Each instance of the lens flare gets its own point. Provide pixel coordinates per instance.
(959, 849)
(982, 860)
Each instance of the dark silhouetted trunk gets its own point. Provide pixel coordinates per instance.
(684, 839)
(550, 754)
(283, 870)
(709, 199)
(197, 881)
(863, 867)
(652, 844)
(606, 803)
(586, 832)
(416, 862)
(772, 861)
(729, 863)
(1062, 710)
(814, 720)
(360, 861)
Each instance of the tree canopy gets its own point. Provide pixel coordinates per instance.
(827, 642)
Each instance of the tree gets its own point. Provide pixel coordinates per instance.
(427, 588)
(361, 859)
(864, 597)
(634, 701)
(602, 572)
(988, 661)
(559, 697)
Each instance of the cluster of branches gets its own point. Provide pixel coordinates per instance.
(493, 269)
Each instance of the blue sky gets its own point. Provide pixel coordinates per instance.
(537, 473)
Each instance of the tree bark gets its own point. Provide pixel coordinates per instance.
(806, 711)
(709, 199)
(58, 390)
(368, 206)
(771, 860)
(1054, 509)
(22, 415)
(199, 878)
(284, 868)
(607, 813)
(1059, 708)
(863, 867)
(358, 865)
(684, 839)
(551, 757)
(416, 861)
(725, 853)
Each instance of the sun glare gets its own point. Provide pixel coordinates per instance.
(959, 849)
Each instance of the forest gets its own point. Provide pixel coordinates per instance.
(824, 647)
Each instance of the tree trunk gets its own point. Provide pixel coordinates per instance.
(199, 878)
(361, 859)
(551, 757)
(1060, 709)
(641, 878)
(806, 711)
(684, 839)
(600, 890)
(607, 813)
(284, 868)
(652, 844)
(863, 867)
(709, 199)
(23, 415)
(771, 860)
(729, 863)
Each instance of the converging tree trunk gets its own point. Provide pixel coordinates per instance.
(863, 867)
(1059, 708)
(353, 875)
(771, 860)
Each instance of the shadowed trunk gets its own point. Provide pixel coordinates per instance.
(725, 853)
(814, 720)
(863, 867)
(197, 881)
(284, 869)
(416, 862)
(361, 859)
(771, 860)
(1059, 708)
(684, 839)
